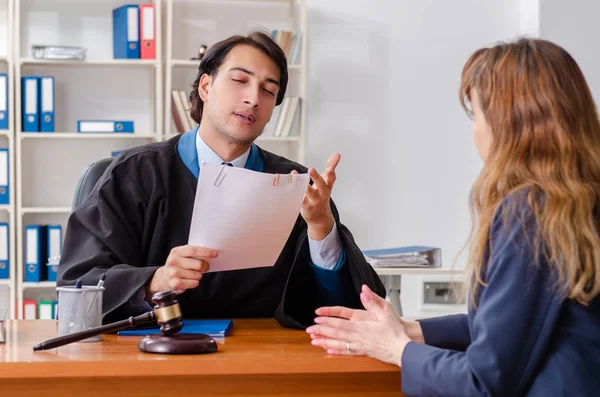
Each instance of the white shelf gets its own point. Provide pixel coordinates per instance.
(41, 284)
(5, 133)
(99, 62)
(6, 282)
(46, 210)
(5, 207)
(83, 135)
(411, 271)
(195, 63)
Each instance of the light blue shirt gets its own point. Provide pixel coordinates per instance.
(324, 253)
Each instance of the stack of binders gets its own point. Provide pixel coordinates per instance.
(412, 256)
(41, 243)
(37, 104)
(42, 310)
(134, 31)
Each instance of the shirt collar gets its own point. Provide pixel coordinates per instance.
(206, 154)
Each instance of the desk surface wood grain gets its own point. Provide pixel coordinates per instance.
(259, 357)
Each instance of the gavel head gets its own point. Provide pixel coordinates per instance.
(167, 312)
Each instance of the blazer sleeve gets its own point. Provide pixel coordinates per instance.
(447, 332)
(511, 330)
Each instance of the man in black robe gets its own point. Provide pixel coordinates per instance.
(135, 224)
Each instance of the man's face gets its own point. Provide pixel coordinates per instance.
(239, 100)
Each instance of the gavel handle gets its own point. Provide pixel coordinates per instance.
(130, 322)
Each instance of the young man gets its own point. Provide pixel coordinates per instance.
(135, 224)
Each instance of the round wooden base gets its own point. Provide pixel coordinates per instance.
(178, 344)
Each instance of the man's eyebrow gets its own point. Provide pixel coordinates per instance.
(269, 79)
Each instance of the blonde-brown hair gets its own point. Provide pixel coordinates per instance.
(545, 141)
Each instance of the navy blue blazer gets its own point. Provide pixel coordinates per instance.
(521, 339)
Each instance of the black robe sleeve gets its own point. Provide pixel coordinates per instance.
(104, 235)
(299, 302)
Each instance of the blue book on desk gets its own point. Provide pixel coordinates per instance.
(213, 328)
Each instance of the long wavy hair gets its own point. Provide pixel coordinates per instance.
(546, 142)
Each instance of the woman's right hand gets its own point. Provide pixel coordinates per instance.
(413, 328)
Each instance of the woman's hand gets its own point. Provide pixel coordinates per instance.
(375, 332)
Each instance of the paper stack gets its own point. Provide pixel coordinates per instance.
(412, 256)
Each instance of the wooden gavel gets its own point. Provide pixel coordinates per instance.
(166, 313)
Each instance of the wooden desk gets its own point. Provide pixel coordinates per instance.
(259, 358)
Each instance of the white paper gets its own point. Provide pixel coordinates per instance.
(239, 213)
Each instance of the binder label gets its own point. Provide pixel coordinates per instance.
(132, 25)
(148, 25)
(31, 101)
(47, 91)
(32, 247)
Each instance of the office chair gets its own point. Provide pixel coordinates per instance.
(86, 182)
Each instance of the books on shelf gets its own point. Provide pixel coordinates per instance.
(282, 119)
(180, 111)
(411, 256)
(289, 42)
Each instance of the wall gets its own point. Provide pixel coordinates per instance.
(383, 91)
(573, 25)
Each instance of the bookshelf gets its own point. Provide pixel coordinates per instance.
(7, 140)
(190, 24)
(47, 165)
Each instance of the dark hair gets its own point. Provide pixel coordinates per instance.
(214, 57)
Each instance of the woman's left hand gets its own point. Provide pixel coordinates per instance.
(379, 334)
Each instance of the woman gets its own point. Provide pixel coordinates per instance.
(533, 324)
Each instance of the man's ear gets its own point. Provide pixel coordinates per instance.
(204, 86)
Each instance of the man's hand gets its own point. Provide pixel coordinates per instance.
(316, 209)
(182, 270)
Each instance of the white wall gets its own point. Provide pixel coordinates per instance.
(383, 91)
(574, 26)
